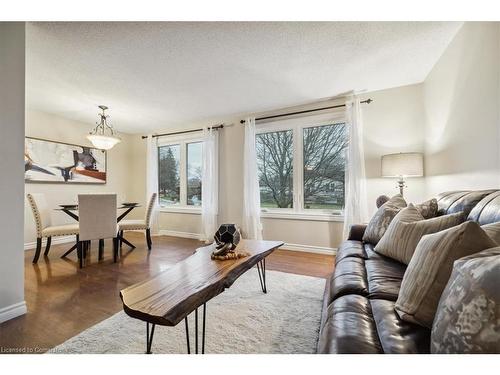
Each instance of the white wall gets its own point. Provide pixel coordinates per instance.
(12, 42)
(452, 117)
(393, 122)
(461, 98)
(120, 175)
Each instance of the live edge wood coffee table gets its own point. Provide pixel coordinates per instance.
(173, 294)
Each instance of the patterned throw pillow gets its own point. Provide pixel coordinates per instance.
(468, 315)
(382, 218)
(381, 200)
(405, 231)
(430, 269)
(428, 209)
(493, 230)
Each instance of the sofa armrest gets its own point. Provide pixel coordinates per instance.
(356, 232)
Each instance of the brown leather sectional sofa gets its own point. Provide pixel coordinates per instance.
(358, 308)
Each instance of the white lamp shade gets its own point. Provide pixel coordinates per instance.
(103, 142)
(407, 164)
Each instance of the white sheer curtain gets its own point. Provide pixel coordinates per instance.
(209, 184)
(251, 225)
(152, 178)
(356, 208)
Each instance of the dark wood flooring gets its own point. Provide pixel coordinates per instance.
(64, 300)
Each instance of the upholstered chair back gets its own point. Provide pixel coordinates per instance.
(97, 216)
(150, 208)
(41, 212)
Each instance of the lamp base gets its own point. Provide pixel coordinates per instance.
(401, 185)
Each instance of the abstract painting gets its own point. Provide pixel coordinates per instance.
(58, 162)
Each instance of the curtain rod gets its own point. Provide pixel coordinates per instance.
(367, 101)
(184, 131)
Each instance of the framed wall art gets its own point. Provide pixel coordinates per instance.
(58, 162)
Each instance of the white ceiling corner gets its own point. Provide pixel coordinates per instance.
(165, 75)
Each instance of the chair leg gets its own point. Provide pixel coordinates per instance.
(38, 250)
(121, 238)
(80, 253)
(148, 238)
(115, 249)
(47, 246)
(101, 249)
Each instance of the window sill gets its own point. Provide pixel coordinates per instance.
(181, 210)
(305, 216)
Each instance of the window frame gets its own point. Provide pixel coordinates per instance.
(297, 125)
(181, 140)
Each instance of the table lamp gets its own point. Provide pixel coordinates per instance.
(402, 165)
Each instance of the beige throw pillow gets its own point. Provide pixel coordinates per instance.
(493, 230)
(407, 228)
(431, 266)
(382, 218)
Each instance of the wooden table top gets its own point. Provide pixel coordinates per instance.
(170, 296)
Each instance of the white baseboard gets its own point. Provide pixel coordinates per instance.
(310, 249)
(286, 246)
(55, 241)
(12, 311)
(173, 233)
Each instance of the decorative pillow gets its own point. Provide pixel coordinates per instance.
(468, 315)
(430, 268)
(428, 209)
(381, 200)
(493, 230)
(407, 228)
(382, 218)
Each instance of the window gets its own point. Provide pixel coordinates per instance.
(324, 166)
(179, 172)
(169, 174)
(194, 174)
(275, 168)
(301, 167)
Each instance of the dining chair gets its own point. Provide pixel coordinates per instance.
(43, 223)
(140, 224)
(97, 218)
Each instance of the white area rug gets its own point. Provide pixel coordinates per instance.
(240, 320)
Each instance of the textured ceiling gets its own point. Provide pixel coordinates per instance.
(158, 76)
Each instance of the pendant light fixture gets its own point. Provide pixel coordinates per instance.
(103, 135)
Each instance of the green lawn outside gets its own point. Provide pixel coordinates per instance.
(314, 206)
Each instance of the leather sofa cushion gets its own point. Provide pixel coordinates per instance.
(356, 324)
(365, 273)
(487, 211)
(384, 277)
(460, 201)
(349, 328)
(349, 277)
(350, 249)
(395, 335)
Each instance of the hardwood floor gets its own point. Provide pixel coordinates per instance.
(63, 300)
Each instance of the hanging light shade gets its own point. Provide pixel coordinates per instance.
(103, 136)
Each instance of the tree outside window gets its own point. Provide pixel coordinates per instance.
(275, 167)
(180, 173)
(168, 175)
(321, 158)
(324, 166)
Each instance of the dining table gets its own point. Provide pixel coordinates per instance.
(72, 211)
